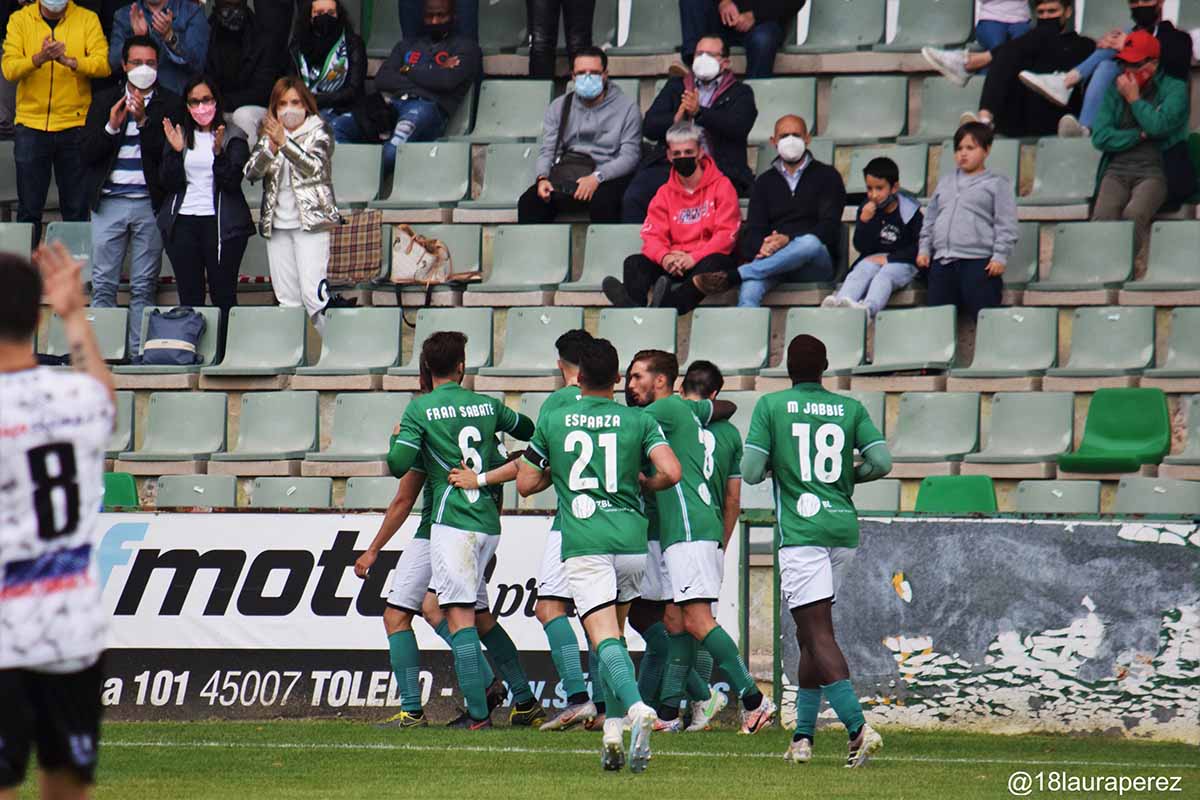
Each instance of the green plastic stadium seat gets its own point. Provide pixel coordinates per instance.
(653, 28)
(463, 242)
(429, 175)
(255, 274)
(937, 23)
(292, 493)
(527, 258)
(1157, 497)
(1005, 159)
(942, 102)
(1183, 346)
(362, 425)
(109, 325)
(1028, 427)
(1022, 267)
(745, 402)
(912, 159)
(206, 348)
(508, 170)
(1089, 255)
(844, 331)
(8, 174)
(956, 494)
(1109, 340)
(373, 494)
(877, 496)
(865, 109)
(77, 237)
(1064, 174)
(1102, 16)
(1125, 429)
(263, 340)
(182, 426)
(935, 426)
(120, 491)
(385, 31)
(510, 110)
(759, 496)
(357, 341)
(781, 96)
(196, 491)
(357, 169)
(738, 339)
(1058, 497)
(840, 25)
(1190, 455)
(874, 402)
(275, 426)
(1189, 17)
(531, 403)
(502, 26)
(634, 329)
(1172, 263)
(529, 340)
(1013, 342)
(16, 237)
(913, 339)
(476, 323)
(821, 149)
(604, 253)
(122, 435)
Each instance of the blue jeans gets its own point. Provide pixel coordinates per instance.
(1103, 69)
(412, 18)
(873, 284)
(119, 223)
(39, 153)
(419, 121)
(698, 18)
(802, 260)
(990, 33)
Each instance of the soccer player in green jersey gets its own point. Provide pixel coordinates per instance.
(806, 436)
(691, 534)
(593, 450)
(445, 427)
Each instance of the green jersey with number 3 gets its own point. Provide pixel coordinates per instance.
(722, 460)
(557, 399)
(686, 511)
(809, 435)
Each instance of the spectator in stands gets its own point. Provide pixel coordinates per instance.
(970, 228)
(294, 159)
(122, 152)
(179, 29)
(205, 221)
(794, 227)
(1001, 21)
(718, 103)
(691, 228)
(466, 18)
(543, 31)
(1143, 118)
(329, 57)
(603, 130)
(242, 63)
(1006, 104)
(886, 237)
(1102, 70)
(425, 79)
(757, 25)
(52, 50)
(8, 89)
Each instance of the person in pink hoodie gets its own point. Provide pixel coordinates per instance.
(691, 228)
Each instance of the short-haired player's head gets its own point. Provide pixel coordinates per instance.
(20, 298)
(652, 374)
(571, 344)
(806, 360)
(445, 354)
(599, 365)
(703, 379)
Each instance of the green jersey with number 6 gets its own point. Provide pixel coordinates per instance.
(557, 399)
(809, 435)
(595, 448)
(686, 511)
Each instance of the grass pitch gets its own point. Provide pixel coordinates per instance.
(330, 759)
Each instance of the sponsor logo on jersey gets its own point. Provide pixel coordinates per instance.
(808, 505)
(56, 571)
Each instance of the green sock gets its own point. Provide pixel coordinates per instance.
(622, 689)
(596, 673)
(808, 705)
(406, 666)
(698, 676)
(845, 704)
(467, 659)
(679, 663)
(654, 660)
(443, 631)
(504, 652)
(564, 649)
(725, 653)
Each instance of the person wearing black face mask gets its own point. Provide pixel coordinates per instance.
(329, 57)
(242, 64)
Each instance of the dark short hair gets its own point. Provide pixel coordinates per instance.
(591, 51)
(883, 168)
(981, 133)
(660, 362)
(20, 298)
(1033, 4)
(719, 38)
(703, 378)
(138, 41)
(806, 360)
(599, 364)
(570, 345)
(443, 351)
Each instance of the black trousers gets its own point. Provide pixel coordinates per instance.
(1016, 110)
(641, 273)
(966, 284)
(605, 205)
(543, 31)
(193, 250)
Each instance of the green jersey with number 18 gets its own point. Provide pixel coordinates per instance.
(686, 511)
(809, 435)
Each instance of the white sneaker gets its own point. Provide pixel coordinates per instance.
(1069, 128)
(612, 752)
(571, 715)
(1052, 86)
(705, 712)
(858, 304)
(831, 301)
(866, 745)
(643, 719)
(799, 752)
(756, 719)
(967, 116)
(951, 63)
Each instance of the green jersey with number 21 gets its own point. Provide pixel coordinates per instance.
(809, 435)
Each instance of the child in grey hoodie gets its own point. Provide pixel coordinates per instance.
(970, 228)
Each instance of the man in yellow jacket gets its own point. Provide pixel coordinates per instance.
(52, 51)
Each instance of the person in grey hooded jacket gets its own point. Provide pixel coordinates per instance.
(604, 124)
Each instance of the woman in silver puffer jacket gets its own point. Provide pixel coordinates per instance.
(294, 159)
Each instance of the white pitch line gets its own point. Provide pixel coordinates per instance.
(418, 748)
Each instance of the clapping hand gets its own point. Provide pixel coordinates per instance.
(137, 21)
(729, 13)
(118, 114)
(162, 24)
(137, 106)
(218, 140)
(274, 130)
(174, 134)
(61, 285)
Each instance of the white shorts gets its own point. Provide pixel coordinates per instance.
(458, 559)
(656, 585)
(695, 570)
(808, 574)
(600, 581)
(410, 580)
(552, 580)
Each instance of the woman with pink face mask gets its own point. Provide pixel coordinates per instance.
(205, 220)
